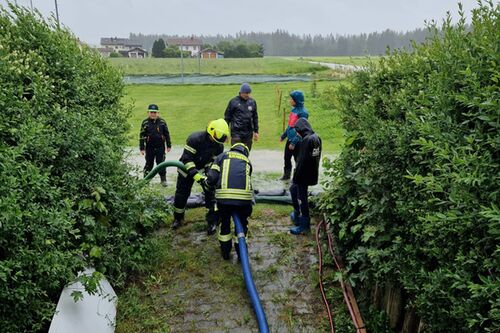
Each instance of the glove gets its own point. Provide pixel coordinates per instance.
(199, 177)
(205, 186)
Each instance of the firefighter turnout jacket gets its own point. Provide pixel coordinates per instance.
(231, 175)
(199, 152)
(154, 134)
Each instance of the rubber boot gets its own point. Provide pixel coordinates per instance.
(303, 227)
(225, 249)
(212, 218)
(163, 181)
(294, 216)
(176, 224)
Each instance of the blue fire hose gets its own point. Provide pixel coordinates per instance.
(245, 264)
(247, 276)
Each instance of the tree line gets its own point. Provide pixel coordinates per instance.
(283, 43)
(230, 49)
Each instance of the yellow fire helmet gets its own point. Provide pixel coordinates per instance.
(218, 130)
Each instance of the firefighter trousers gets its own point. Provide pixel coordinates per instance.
(182, 193)
(225, 213)
(152, 154)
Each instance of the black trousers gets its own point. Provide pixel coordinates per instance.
(243, 139)
(298, 193)
(152, 154)
(182, 193)
(287, 156)
(225, 213)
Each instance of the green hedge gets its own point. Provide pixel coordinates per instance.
(414, 197)
(66, 197)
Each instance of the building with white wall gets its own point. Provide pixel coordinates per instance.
(191, 44)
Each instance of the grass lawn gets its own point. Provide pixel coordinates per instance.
(156, 66)
(188, 108)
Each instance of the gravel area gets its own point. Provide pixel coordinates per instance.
(263, 161)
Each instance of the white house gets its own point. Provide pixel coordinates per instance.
(119, 44)
(105, 51)
(191, 44)
(136, 52)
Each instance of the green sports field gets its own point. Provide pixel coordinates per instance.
(188, 108)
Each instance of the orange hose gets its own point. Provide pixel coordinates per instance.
(320, 273)
(350, 302)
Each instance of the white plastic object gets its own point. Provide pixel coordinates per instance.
(94, 313)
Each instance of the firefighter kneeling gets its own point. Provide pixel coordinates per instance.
(231, 175)
(199, 152)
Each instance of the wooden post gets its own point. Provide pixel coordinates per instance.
(182, 64)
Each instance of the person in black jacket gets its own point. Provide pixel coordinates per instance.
(231, 175)
(242, 117)
(152, 139)
(305, 174)
(199, 152)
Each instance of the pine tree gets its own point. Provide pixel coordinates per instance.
(158, 49)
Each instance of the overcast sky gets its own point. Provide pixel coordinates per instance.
(92, 19)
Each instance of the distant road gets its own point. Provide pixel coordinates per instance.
(343, 67)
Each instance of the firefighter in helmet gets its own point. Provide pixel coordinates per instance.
(231, 175)
(199, 152)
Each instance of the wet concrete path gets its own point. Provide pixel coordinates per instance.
(192, 289)
(263, 161)
(210, 296)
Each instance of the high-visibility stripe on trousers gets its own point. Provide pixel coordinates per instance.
(182, 193)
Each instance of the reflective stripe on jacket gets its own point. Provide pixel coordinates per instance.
(231, 175)
(199, 152)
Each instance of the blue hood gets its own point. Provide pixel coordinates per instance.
(298, 97)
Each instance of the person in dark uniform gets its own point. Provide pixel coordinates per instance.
(152, 139)
(231, 175)
(305, 174)
(242, 117)
(199, 152)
